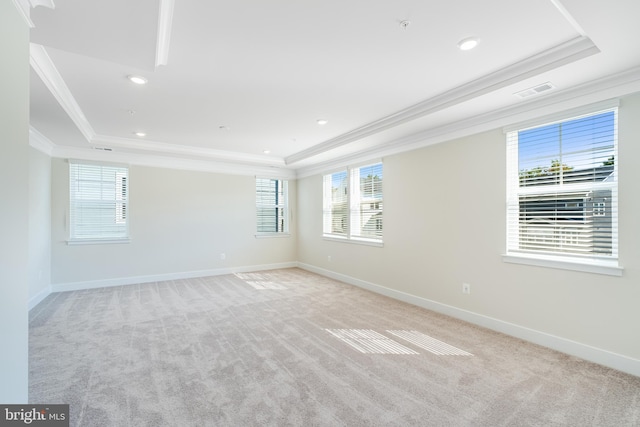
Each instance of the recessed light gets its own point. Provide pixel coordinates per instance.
(322, 121)
(468, 43)
(267, 151)
(141, 134)
(139, 80)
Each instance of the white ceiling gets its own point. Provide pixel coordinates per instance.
(247, 76)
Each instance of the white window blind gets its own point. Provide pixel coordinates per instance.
(366, 201)
(353, 203)
(563, 188)
(336, 204)
(99, 198)
(272, 205)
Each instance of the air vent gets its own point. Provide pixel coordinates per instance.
(536, 90)
(102, 148)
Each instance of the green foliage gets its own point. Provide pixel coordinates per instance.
(371, 185)
(539, 173)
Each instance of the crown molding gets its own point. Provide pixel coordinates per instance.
(562, 54)
(25, 6)
(183, 150)
(45, 68)
(582, 96)
(570, 19)
(40, 142)
(165, 19)
(167, 162)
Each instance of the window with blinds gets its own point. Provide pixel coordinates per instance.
(336, 204)
(272, 206)
(563, 188)
(99, 198)
(353, 203)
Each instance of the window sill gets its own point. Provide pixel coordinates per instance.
(357, 241)
(122, 240)
(271, 235)
(610, 268)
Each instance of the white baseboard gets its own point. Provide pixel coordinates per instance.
(37, 298)
(120, 281)
(583, 351)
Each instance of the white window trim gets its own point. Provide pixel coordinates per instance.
(609, 267)
(348, 238)
(265, 235)
(108, 241)
(354, 240)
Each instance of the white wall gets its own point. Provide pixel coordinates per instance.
(14, 213)
(444, 224)
(180, 223)
(39, 226)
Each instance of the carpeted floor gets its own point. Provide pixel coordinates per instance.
(288, 347)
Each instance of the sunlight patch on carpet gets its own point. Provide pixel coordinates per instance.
(430, 344)
(258, 281)
(368, 341)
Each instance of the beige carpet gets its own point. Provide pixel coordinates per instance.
(288, 347)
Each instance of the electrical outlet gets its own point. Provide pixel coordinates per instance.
(329, 258)
(466, 288)
(223, 256)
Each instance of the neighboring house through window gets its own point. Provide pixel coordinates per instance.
(563, 189)
(99, 198)
(272, 206)
(353, 204)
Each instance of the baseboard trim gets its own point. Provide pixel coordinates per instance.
(583, 351)
(37, 298)
(122, 281)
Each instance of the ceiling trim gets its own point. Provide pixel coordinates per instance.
(237, 164)
(566, 15)
(25, 6)
(45, 68)
(163, 147)
(40, 142)
(165, 19)
(562, 54)
(599, 90)
(166, 162)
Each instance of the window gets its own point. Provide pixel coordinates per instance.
(99, 197)
(272, 206)
(353, 203)
(563, 189)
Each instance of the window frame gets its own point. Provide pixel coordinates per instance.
(592, 263)
(284, 205)
(351, 205)
(122, 209)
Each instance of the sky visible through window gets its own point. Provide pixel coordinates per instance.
(581, 143)
(339, 178)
